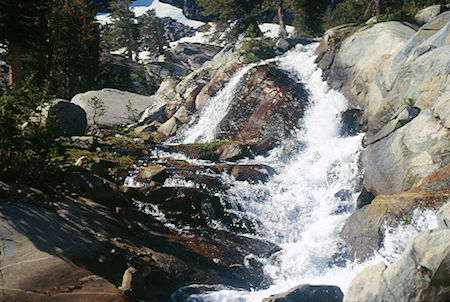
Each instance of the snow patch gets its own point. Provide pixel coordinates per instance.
(272, 30)
(161, 10)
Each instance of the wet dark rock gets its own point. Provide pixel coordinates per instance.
(351, 122)
(93, 186)
(255, 173)
(263, 146)
(364, 198)
(309, 293)
(268, 106)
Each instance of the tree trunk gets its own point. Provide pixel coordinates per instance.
(128, 30)
(281, 20)
(15, 65)
(379, 7)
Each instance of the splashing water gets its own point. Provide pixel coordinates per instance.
(204, 130)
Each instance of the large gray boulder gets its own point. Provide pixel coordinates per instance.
(411, 277)
(120, 107)
(382, 65)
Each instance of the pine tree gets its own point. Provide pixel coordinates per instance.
(244, 13)
(123, 29)
(152, 32)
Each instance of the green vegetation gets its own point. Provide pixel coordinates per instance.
(259, 49)
(211, 146)
(23, 140)
(359, 11)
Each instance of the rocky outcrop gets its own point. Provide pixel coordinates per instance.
(364, 230)
(192, 56)
(419, 274)
(306, 292)
(428, 13)
(399, 159)
(267, 106)
(119, 107)
(392, 84)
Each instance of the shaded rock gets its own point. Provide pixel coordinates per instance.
(268, 106)
(93, 186)
(287, 43)
(409, 277)
(153, 173)
(364, 198)
(351, 122)
(81, 142)
(309, 293)
(115, 102)
(39, 267)
(194, 55)
(63, 118)
(252, 173)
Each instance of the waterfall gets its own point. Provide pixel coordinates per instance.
(205, 128)
(303, 207)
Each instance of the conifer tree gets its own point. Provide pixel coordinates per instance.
(152, 32)
(123, 31)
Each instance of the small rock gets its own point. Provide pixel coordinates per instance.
(169, 127)
(152, 127)
(153, 173)
(251, 173)
(232, 151)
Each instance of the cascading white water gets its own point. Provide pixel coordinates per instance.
(204, 130)
(301, 208)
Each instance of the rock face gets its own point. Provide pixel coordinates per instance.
(39, 267)
(384, 81)
(268, 105)
(413, 151)
(306, 292)
(119, 107)
(414, 276)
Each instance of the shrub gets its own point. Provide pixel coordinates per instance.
(23, 140)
